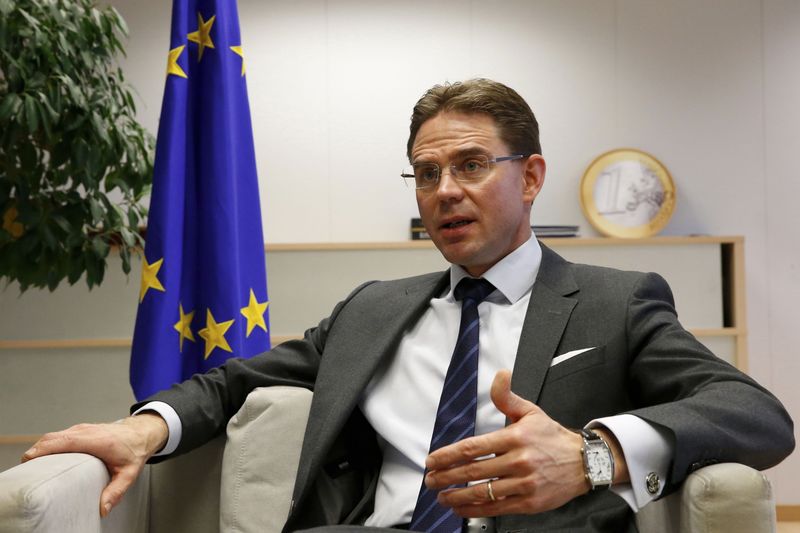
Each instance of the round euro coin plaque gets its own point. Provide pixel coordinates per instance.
(627, 193)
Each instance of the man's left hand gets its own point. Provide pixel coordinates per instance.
(537, 464)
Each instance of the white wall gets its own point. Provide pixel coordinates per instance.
(774, 280)
(708, 86)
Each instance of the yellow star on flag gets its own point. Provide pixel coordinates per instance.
(254, 313)
(239, 52)
(214, 334)
(172, 62)
(203, 34)
(183, 326)
(150, 278)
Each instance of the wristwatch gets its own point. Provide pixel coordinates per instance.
(598, 461)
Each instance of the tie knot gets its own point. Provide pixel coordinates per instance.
(473, 289)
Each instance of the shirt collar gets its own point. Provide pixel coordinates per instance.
(513, 275)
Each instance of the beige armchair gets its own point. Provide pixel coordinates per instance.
(243, 482)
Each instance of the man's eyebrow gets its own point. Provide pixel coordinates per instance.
(467, 152)
(460, 154)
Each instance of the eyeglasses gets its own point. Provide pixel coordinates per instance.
(470, 169)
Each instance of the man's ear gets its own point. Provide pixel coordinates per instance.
(533, 177)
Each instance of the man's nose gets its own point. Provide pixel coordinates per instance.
(448, 186)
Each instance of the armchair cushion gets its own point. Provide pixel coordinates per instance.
(260, 460)
(184, 491)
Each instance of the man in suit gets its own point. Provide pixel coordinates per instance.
(589, 348)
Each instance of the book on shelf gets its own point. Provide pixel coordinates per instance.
(551, 231)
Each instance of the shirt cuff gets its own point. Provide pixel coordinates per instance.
(648, 452)
(173, 421)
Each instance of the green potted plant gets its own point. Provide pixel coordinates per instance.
(75, 164)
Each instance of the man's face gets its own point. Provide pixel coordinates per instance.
(478, 223)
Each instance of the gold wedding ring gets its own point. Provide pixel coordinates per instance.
(490, 491)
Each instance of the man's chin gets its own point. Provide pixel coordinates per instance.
(457, 253)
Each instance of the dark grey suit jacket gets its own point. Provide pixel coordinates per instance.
(645, 364)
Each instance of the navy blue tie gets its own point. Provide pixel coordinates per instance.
(455, 417)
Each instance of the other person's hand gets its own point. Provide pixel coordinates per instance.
(124, 447)
(537, 464)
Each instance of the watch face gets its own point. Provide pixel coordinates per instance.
(598, 463)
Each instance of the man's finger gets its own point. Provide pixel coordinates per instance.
(29, 454)
(469, 472)
(496, 442)
(115, 490)
(478, 493)
(469, 449)
(511, 405)
(47, 444)
(477, 504)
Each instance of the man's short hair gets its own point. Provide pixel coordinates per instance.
(515, 121)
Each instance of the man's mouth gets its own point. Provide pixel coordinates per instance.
(457, 224)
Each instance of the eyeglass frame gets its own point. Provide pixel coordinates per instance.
(454, 171)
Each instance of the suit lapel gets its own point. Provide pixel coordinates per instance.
(362, 337)
(545, 320)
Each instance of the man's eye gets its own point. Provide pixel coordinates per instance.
(472, 166)
(425, 173)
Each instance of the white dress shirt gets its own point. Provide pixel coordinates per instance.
(402, 398)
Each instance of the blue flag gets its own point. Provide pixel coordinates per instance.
(203, 295)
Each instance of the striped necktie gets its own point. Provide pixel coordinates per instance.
(455, 417)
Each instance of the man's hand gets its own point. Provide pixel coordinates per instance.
(537, 464)
(124, 447)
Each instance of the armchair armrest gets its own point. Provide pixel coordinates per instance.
(261, 450)
(721, 498)
(62, 493)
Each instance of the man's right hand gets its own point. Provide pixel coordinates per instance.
(124, 447)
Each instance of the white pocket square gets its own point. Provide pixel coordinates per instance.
(569, 355)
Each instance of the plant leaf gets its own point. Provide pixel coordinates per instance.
(100, 247)
(31, 114)
(6, 7)
(62, 223)
(9, 106)
(128, 237)
(98, 213)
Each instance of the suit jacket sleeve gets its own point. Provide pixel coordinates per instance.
(206, 402)
(714, 412)
(642, 362)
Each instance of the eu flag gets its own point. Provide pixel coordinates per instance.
(203, 295)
